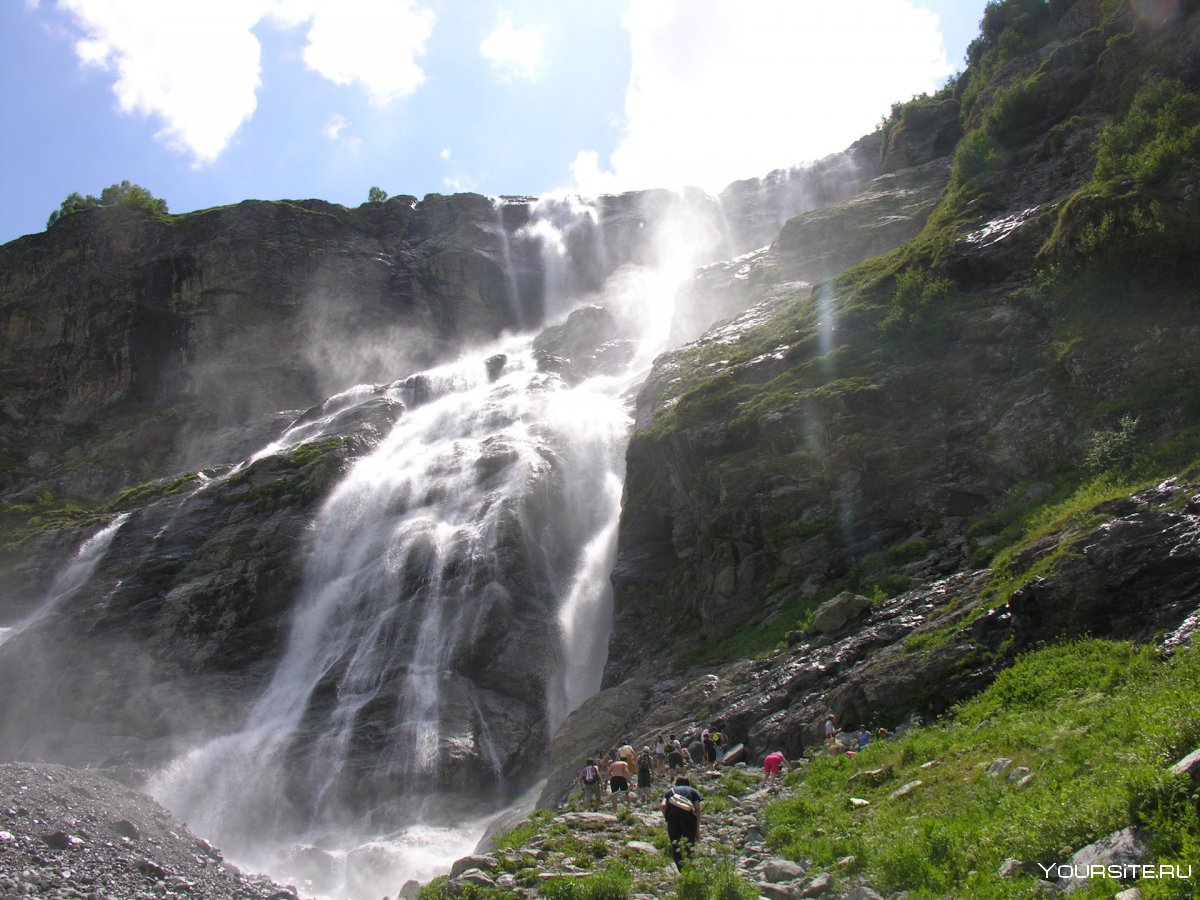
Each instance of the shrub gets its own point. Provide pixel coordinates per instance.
(1113, 449)
(1157, 137)
(917, 294)
(376, 195)
(712, 881)
(123, 194)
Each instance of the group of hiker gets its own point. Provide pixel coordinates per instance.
(837, 740)
(611, 772)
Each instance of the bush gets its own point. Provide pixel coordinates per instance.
(917, 294)
(1138, 214)
(1158, 137)
(712, 881)
(123, 194)
(1113, 449)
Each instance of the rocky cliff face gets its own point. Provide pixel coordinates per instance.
(826, 433)
(146, 359)
(121, 329)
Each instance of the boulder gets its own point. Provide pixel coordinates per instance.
(1127, 847)
(833, 615)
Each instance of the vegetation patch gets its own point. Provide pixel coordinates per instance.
(1058, 713)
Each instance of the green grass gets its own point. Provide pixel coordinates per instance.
(706, 880)
(526, 831)
(1096, 722)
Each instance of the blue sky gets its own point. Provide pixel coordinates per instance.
(209, 102)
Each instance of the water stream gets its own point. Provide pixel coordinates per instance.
(455, 603)
(73, 576)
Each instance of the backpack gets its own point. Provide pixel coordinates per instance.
(644, 761)
(680, 802)
(590, 774)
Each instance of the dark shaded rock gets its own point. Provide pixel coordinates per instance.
(126, 829)
(592, 725)
(60, 840)
(495, 365)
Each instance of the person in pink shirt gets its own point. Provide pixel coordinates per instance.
(773, 764)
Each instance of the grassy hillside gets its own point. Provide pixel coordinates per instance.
(1095, 724)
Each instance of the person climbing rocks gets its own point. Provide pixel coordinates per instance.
(675, 756)
(626, 752)
(589, 783)
(773, 765)
(644, 764)
(603, 760)
(710, 747)
(681, 808)
(618, 782)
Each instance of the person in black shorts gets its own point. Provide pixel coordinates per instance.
(681, 808)
(618, 781)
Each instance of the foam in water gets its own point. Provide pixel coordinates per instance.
(410, 571)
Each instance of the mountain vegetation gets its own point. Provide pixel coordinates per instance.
(123, 194)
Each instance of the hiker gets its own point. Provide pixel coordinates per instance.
(830, 728)
(618, 782)
(681, 808)
(709, 745)
(660, 756)
(644, 764)
(603, 760)
(675, 757)
(718, 740)
(864, 736)
(589, 783)
(773, 764)
(687, 757)
(625, 752)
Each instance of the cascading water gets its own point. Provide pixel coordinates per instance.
(71, 578)
(455, 602)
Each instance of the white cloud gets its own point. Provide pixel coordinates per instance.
(375, 43)
(445, 154)
(722, 91)
(195, 64)
(514, 52)
(335, 126)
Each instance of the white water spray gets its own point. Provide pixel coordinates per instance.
(71, 578)
(455, 605)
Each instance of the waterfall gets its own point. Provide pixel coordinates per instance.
(455, 603)
(71, 578)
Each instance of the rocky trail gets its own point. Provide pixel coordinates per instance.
(578, 843)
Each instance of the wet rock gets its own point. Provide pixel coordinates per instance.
(833, 615)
